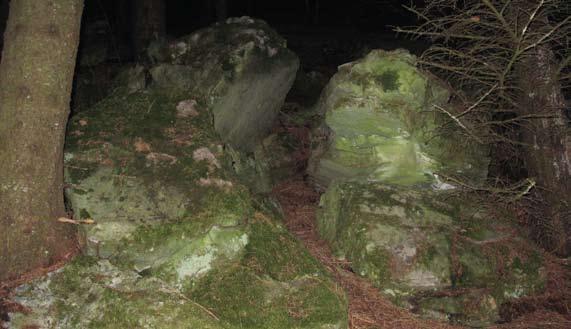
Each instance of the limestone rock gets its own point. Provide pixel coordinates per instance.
(241, 66)
(178, 241)
(429, 250)
(381, 125)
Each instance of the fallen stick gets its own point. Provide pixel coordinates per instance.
(75, 221)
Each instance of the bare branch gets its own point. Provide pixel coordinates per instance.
(442, 35)
(453, 117)
(548, 34)
(531, 18)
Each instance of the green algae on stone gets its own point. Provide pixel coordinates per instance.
(219, 245)
(152, 198)
(181, 250)
(130, 162)
(159, 259)
(96, 294)
(244, 291)
(378, 154)
(120, 207)
(418, 243)
(380, 124)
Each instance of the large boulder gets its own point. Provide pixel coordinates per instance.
(274, 284)
(385, 141)
(241, 66)
(176, 240)
(431, 251)
(382, 123)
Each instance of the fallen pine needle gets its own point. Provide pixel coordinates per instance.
(75, 222)
(181, 295)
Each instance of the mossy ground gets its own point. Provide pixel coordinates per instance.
(271, 289)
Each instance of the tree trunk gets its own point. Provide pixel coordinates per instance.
(547, 153)
(3, 18)
(122, 25)
(221, 10)
(36, 75)
(251, 8)
(148, 23)
(312, 12)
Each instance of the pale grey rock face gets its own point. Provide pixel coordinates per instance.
(241, 66)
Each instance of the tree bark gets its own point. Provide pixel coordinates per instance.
(122, 25)
(3, 18)
(221, 10)
(36, 75)
(547, 153)
(148, 23)
(312, 12)
(251, 8)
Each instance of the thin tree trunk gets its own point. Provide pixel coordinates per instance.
(36, 75)
(207, 12)
(122, 25)
(148, 23)
(3, 18)
(251, 8)
(548, 152)
(312, 12)
(221, 10)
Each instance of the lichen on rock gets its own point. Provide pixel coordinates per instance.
(431, 251)
(178, 240)
(243, 69)
(380, 124)
(379, 155)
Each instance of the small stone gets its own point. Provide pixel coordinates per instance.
(204, 154)
(186, 108)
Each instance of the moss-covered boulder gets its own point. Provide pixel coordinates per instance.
(175, 240)
(381, 124)
(244, 68)
(137, 159)
(274, 284)
(431, 251)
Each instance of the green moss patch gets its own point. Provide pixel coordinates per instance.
(276, 285)
(270, 253)
(413, 242)
(95, 294)
(383, 126)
